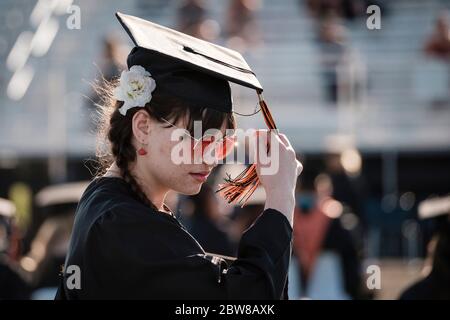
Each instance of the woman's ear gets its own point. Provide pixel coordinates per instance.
(142, 124)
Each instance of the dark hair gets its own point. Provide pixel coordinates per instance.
(115, 130)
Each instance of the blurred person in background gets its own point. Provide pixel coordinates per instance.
(241, 27)
(435, 284)
(112, 54)
(343, 8)
(348, 187)
(109, 67)
(13, 285)
(190, 16)
(347, 9)
(206, 223)
(437, 44)
(192, 19)
(343, 68)
(326, 253)
(437, 47)
(334, 48)
(43, 263)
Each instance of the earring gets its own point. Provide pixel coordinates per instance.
(142, 151)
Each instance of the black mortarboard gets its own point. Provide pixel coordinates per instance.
(191, 69)
(7, 208)
(60, 198)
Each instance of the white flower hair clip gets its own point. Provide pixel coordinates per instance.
(135, 88)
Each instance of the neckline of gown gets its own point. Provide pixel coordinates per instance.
(170, 215)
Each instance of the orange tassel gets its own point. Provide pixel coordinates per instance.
(239, 189)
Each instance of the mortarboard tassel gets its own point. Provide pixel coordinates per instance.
(239, 189)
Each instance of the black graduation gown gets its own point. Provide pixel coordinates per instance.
(125, 250)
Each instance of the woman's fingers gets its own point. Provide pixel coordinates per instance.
(261, 146)
(299, 167)
(285, 140)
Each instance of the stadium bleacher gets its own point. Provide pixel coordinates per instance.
(391, 116)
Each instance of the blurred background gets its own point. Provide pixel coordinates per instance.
(368, 112)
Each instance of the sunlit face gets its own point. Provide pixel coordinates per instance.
(158, 166)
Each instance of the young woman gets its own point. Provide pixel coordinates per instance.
(126, 243)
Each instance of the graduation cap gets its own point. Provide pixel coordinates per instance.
(197, 72)
(189, 68)
(437, 209)
(434, 207)
(7, 209)
(60, 199)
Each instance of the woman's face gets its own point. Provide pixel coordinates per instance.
(159, 167)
